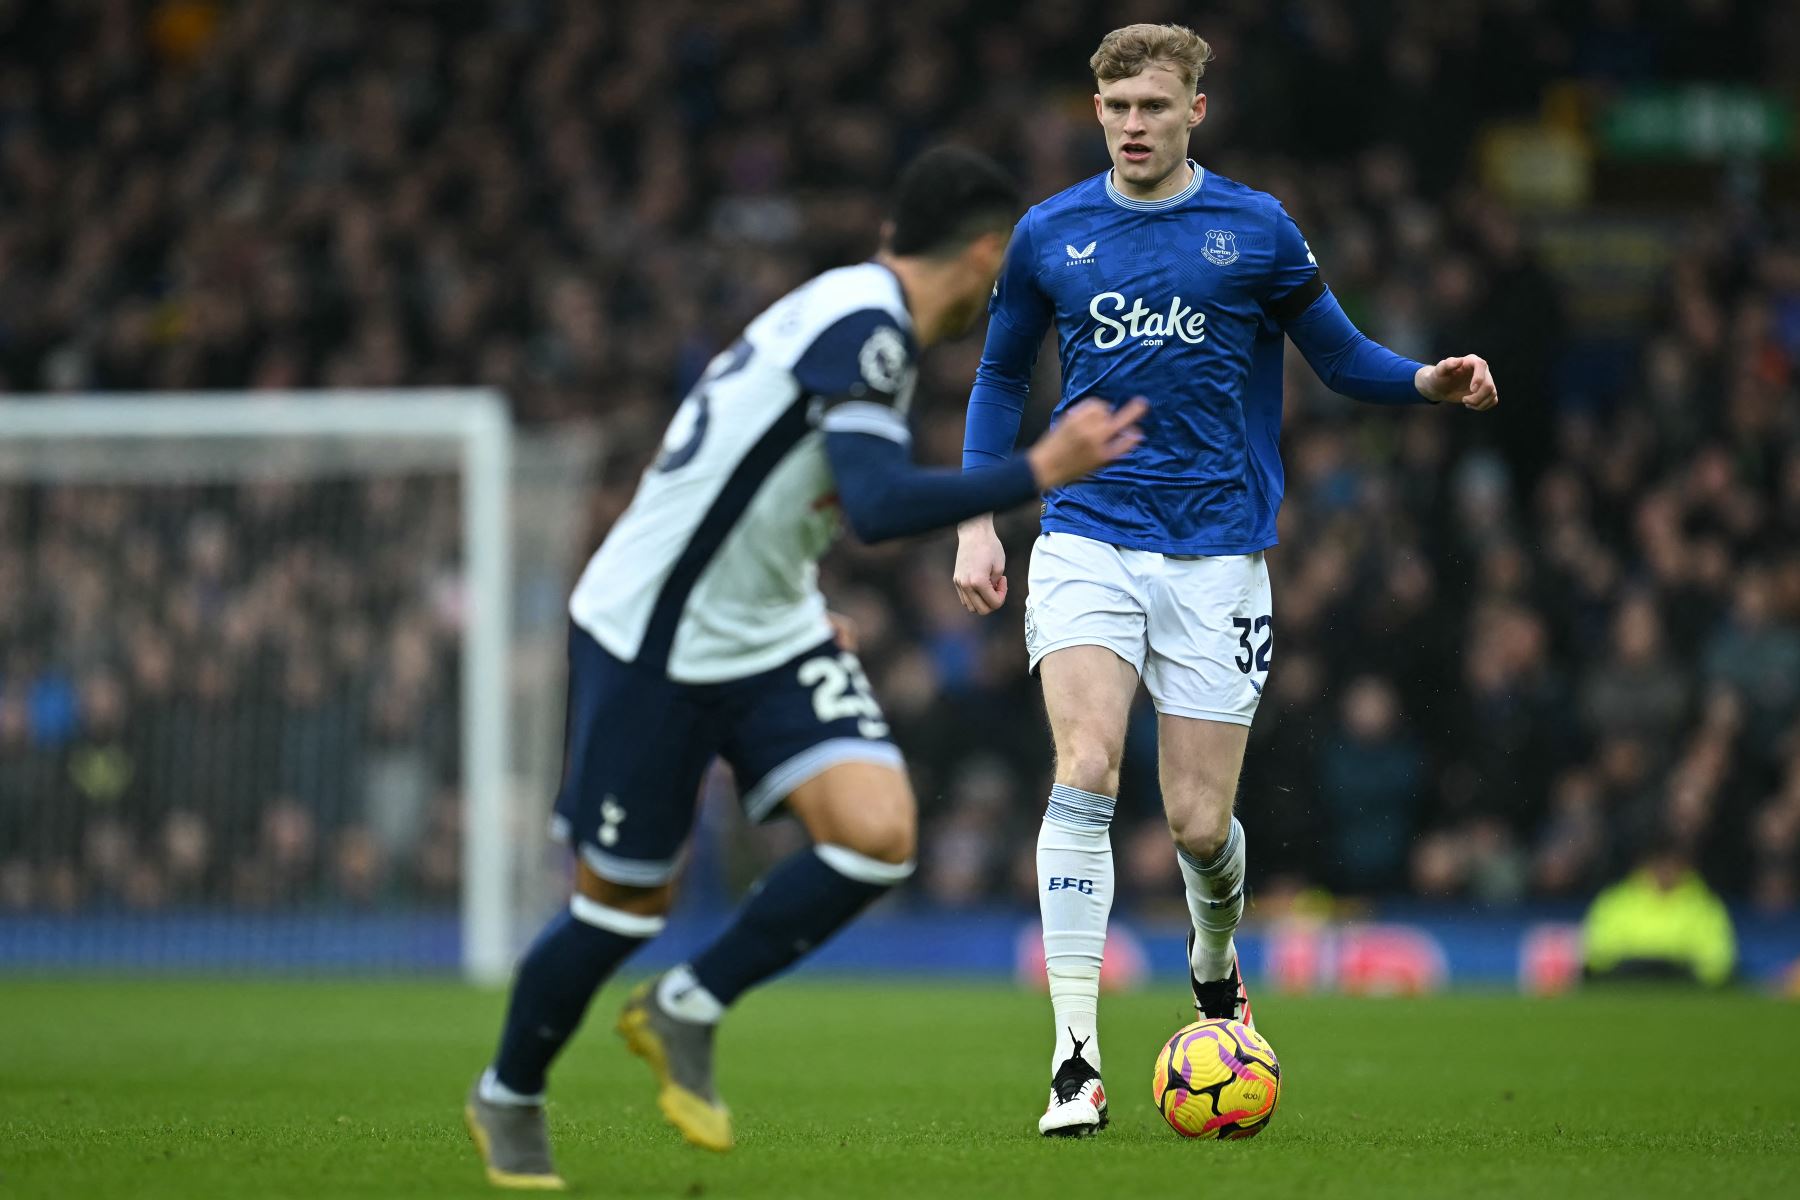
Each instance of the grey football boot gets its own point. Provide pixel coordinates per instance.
(680, 1054)
(514, 1143)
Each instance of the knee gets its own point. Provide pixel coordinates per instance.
(1090, 765)
(638, 901)
(1200, 828)
(864, 808)
(889, 834)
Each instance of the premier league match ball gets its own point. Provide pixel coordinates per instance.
(1217, 1079)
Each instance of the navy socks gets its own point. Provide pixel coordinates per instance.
(576, 952)
(798, 905)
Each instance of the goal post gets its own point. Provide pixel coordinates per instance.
(187, 440)
(487, 881)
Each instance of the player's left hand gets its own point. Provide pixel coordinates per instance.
(1464, 379)
(844, 630)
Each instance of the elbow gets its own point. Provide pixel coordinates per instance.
(1338, 379)
(1346, 382)
(1336, 369)
(871, 531)
(864, 516)
(875, 533)
(862, 528)
(995, 378)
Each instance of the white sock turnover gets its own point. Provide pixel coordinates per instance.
(495, 1092)
(681, 995)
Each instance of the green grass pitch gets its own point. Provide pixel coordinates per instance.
(202, 1089)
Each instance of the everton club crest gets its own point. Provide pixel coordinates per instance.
(1220, 247)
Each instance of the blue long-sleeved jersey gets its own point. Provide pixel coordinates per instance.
(1184, 301)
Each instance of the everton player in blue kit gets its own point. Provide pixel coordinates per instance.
(1165, 280)
(698, 630)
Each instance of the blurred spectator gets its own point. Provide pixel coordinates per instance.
(1370, 777)
(1571, 854)
(1279, 807)
(1775, 884)
(1758, 654)
(1660, 922)
(967, 844)
(34, 829)
(1638, 691)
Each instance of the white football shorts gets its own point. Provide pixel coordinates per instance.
(1196, 629)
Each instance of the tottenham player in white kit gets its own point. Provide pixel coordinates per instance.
(1165, 280)
(698, 630)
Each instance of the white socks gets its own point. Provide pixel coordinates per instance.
(1215, 897)
(1075, 892)
(495, 1092)
(681, 995)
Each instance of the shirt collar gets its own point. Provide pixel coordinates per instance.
(1186, 193)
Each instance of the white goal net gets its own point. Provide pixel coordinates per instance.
(279, 682)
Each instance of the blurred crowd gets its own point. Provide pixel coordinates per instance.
(229, 692)
(1509, 649)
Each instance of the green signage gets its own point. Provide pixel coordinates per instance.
(1700, 122)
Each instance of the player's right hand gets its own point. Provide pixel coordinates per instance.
(1090, 435)
(980, 566)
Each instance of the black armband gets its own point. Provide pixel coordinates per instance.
(1296, 302)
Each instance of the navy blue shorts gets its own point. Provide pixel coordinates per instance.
(638, 745)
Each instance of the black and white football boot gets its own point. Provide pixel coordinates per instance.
(1220, 999)
(1077, 1100)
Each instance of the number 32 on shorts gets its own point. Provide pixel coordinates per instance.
(1256, 655)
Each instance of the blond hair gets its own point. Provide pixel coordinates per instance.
(1127, 51)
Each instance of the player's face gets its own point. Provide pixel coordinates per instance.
(1147, 119)
(981, 263)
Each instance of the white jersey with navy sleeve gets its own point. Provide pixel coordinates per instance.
(711, 573)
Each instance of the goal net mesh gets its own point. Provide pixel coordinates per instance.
(232, 705)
